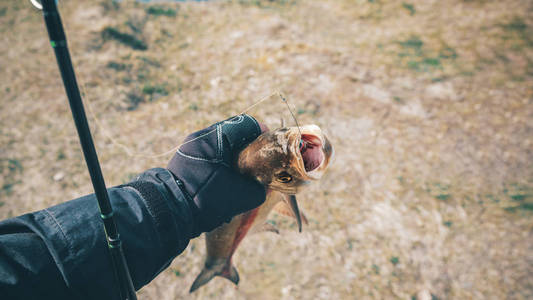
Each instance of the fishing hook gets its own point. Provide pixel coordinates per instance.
(293, 116)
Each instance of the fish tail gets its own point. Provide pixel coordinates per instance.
(228, 272)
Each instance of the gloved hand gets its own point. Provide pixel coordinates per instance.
(205, 170)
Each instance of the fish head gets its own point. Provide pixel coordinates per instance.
(288, 158)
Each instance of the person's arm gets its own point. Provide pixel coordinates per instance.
(61, 252)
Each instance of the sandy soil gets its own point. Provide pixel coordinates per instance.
(428, 103)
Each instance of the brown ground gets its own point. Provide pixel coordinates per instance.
(428, 103)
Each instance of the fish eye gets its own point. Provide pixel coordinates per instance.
(284, 177)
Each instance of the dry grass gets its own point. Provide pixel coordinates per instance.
(429, 105)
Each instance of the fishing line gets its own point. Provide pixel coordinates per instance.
(131, 153)
(259, 102)
(292, 114)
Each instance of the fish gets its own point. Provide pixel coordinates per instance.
(285, 161)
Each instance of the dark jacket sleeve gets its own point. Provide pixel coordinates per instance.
(61, 252)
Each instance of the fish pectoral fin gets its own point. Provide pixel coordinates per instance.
(283, 208)
(207, 274)
(293, 204)
(267, 227)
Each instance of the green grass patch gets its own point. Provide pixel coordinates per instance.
(394, 260)
(8, 170)
(193, 107)
(409, 7)
(413, 65)
(266, 3)
(431, 61)
(127, 79)
(161, 11)
(150, 61)
(61, 155)
(439, 191)
(517, 24)
(415, 56)
(425, 64)
(527, 206)
(7, 188)
(142, 76)
(150, 89)
(375, 268)
(116, 66)
(136, 27)
(448, 53)
(123, 38)
(443, 197)
(523, 206)
(413, 42)
(14, 165)
(448, 223)
(519, 29)
(519, 197)
(133, 100)
(493, 198)
(439, 79)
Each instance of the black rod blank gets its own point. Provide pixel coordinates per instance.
(59, 43)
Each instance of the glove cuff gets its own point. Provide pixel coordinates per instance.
(169, 207)
(240, 131)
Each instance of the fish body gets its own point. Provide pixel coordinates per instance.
(284, 160)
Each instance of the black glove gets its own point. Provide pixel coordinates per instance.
(205, 171)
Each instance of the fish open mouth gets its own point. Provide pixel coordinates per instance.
(311, 151)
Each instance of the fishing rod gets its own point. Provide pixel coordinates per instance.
(58, 41)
